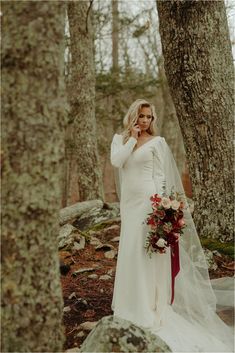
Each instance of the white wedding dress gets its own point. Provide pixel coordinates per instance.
(142, 288)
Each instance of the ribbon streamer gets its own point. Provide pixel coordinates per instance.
(175, 267)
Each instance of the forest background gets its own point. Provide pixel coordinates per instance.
(70, 70)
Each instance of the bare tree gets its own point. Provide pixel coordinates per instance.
(199, 68)
(33, 122)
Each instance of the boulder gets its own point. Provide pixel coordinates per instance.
(70, 213)
(70, 238)
(113, 334)
(97, 215)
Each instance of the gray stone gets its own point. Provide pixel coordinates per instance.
(112, 334)
(114, 227)
(70, 238)
(80, 334)
(88, 325)
(81, 270)
(217, 253)
(105, 277)
(76, 210)
(93, 276)
(110, 272)
(80, 245)
(110, 254)
(97, 215)
(95, 241)
(210, 259)
(104, 247)
(116, 239)
(66, 309)
(72, 295)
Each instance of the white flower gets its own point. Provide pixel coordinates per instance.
(161, 243)
(191, 207)
(166, 203)
(175, 204)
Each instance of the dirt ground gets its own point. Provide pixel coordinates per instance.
(89, 299)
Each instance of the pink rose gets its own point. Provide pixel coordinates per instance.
(181, 222)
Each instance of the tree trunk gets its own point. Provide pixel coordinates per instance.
(170, 128)
(199, 69)
(115, 37)
(113, 104)
(33, 121)
(81, 136)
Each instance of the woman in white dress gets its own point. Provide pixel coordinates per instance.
(144, 165)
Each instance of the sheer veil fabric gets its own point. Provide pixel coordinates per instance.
(196, 296)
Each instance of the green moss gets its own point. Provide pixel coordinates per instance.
(85, 234)
(98, 226)
(104, 224)
(223, 248)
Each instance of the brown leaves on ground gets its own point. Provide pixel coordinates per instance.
(89, 299)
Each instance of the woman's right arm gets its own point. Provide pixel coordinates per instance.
(120, 152)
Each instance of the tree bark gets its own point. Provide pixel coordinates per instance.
(199, 68)
(33, 122)
(170, 128)
(81, 135)
(115, 37)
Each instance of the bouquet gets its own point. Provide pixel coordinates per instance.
(166, 222)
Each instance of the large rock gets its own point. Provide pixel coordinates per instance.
(70, 238)
(112, 334)
(70, 213)
(97, 215)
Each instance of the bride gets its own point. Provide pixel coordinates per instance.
(144, 165)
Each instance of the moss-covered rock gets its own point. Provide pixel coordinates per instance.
(112, 334)
(223, 248)
(98, 218)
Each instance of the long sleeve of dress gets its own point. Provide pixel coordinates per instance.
(158, 167)
(120, 152)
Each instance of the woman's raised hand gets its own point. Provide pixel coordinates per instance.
(135, 130)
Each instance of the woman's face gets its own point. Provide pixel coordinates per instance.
(145, 118)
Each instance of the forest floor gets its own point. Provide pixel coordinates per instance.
(89, 299)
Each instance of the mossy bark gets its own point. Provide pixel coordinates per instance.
(199, 68)
(81, 135)
(33, 122)
(170, 128)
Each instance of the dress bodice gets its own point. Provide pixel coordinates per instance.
(138, 167)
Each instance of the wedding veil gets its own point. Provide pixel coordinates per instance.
(196, 296)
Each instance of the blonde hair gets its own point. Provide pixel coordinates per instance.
(132, 115)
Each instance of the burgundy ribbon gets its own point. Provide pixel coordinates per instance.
(175, 266)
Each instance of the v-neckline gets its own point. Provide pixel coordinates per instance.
(144, 144)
